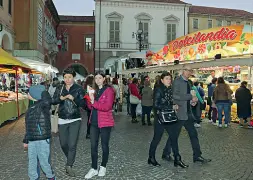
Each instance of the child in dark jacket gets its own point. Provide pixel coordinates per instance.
(38, 133)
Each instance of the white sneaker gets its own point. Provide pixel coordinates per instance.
(102, 171)
(220, 125)
(210, 121)
(92, 172)
(197, 125)
(225, 125)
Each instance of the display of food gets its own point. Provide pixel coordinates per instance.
(7, 96)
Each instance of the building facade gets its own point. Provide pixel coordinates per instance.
(76, 43)
(7, 34)
(35, 27)
(117, 21)
(209, 17)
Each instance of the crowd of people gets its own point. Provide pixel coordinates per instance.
(174, 102)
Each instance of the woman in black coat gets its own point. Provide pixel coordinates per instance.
(243, 98)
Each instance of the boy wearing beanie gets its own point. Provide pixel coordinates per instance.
(38, 132)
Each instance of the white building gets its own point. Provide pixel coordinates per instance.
(162, 20)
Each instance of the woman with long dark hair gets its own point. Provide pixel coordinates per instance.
(88, 83)
(163, 102)
(101, 120)
(70, 99)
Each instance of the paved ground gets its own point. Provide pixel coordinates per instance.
(231, 150)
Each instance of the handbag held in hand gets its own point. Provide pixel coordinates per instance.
(168, 116)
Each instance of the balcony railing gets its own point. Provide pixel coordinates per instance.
(144, 45)
(114, 45)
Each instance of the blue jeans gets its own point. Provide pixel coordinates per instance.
(39, 152)
(226, 107)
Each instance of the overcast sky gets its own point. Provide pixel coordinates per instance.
(85, 7)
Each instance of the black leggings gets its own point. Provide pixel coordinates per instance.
(133, 110)
(94, 137)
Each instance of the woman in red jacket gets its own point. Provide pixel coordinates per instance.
(135, 98)
(101, 120)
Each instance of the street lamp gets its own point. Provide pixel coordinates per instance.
(140, 36)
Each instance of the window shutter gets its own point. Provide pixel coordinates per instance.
(174, 32)
(111, 25)
(117, 36)
(168, 32)
(116, 25)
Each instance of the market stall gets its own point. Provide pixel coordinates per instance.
(226, 48)
(12, 104)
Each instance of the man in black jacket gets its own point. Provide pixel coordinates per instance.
(38, 132)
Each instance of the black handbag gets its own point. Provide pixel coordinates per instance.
(168, 116)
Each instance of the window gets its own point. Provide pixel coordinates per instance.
(88, 44)
(114, 31)
(171, 32)
(238, 23)
(247, 23)
(10, 7)
(210, 23)
(65, 43)
(1, 3)
(219, 22)
(228, 23)
(195, 23)
(144, 27)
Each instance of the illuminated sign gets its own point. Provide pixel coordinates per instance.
(205, 44)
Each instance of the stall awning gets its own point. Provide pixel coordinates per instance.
(240, 61)
(9, 60)
(39, 66)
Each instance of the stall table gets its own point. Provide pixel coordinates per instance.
(8, 110)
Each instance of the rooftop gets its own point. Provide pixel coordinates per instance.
(220, 11)
(158, 1)
(77, 18)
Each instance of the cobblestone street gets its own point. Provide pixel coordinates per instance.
(230, 150)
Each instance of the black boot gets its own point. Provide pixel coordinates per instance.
(152, 161)
(201, 160)
(179, 162)
(134, 120)
(167, 157)
(143, 122)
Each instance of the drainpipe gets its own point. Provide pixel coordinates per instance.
(184, 18)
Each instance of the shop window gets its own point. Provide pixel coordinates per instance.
(88, 44)
(195, 23)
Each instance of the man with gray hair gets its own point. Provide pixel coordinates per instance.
(185, 98)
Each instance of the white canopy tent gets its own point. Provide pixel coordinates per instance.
(40, 66)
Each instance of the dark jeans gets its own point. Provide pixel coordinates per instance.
(133, 110)
(128, 105)
(195, 111)
(193, 134)
(68, 135)
(88, 124)
(209, 102)
(146, 110)
(214, 114)
(173, 130)
(94, 138)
